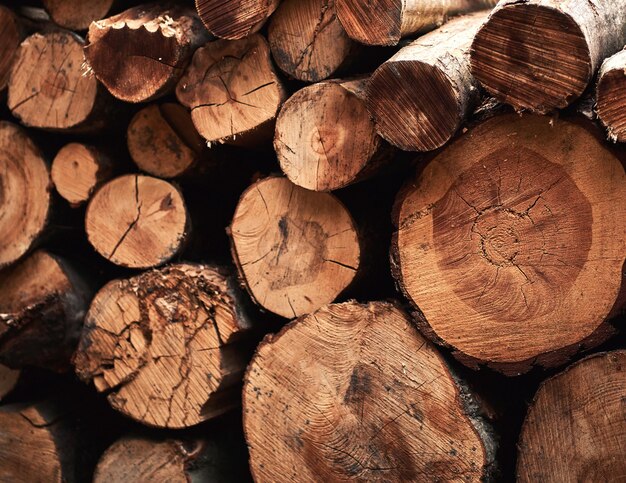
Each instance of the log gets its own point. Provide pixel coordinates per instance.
(295, 249)
(540, 55)
(8, 380)
(233, 91)
(420, 96)
(24, 194)
(78, 170)
(43, 301)
(512, 242)
(355, 392)
(140, 54)
(574, 429)
(163, 141)
(77, 14)
(325, 139)
(168, 347)
(235, 19)
(137, 221)
(9, 43)
(307, 41)
(611, 96)
(385, 22)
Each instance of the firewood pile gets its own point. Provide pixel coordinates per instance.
(312, 240)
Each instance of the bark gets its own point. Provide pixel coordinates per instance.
(420, 96)
(540, 55)
(77, 14)
(235, 19)
(611, 96)
(12, 34)
(509, 227)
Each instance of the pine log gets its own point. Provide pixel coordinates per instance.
(325, 139)
(575, 427)
(233, 91)
(166, 345)
(24, 193)
(163, 141)
(307, 41)
(354, 392)
(77, 14)
(235, 19)
(9, 43)
(385, 22)
(48, 87)
(42, 305)
(420, 96)
(512, 242)
(137, 221)
(541, 54)
(141, 53)
(77, 170)
(611, 96)
(295, 249)
(8, 380)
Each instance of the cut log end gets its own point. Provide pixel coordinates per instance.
(354, 392)
(611, 96)
(235, 19)
(137, 221)
(9, 43)
(296, 249)
(165, 345)
(373, 23)
(24, 193)
(510, 227)
(575, 427)
(532, 57)
(77, 15)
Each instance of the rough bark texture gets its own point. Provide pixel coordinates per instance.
(354, 392)
(511, 242)
(167, 346)
(141, 53)
(42, 305)
(235, 19)
(420, 96)
(137, 221)
(385, 22)
(307, 41)
(296, 250)
(611, 96)
(8, 380)
(541, 54)
(24, 193)
(77, 14)
(9, 43)
(575, 428)
(325, 139)
(233, 91)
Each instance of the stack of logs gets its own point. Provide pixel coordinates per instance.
(433, 191)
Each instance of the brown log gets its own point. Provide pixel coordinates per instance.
(141, 53)
(354, 392)
(163, 141)
(296, 250)
(77, 14)
(541, 54)
(385, 22)
(512, 242)
(9, 43)
(325, 139)
(233, 91)
(137, 221)
(48, 87)
(8, 380)
(575, 427)
(611, 96)
(77, 170)
(307, 41)
(420, 96)
(166, 345)
(42, 305)
(24, 193)
(235, 19)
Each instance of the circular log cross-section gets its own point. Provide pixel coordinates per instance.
(520, 226)
(24, 193)
(611, 96)
(354, 392)
(9, 43)
(137, 221)
(165, 346)
(235, 19)
(295, 249)
(307, 41)
(575, 428)
(77, 14)
(48, 88)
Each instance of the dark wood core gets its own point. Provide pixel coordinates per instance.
(235, 19)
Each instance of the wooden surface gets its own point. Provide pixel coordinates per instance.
(77, 14)
(8, 380)
(611, 96)
(235, 19)
(9, 43)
